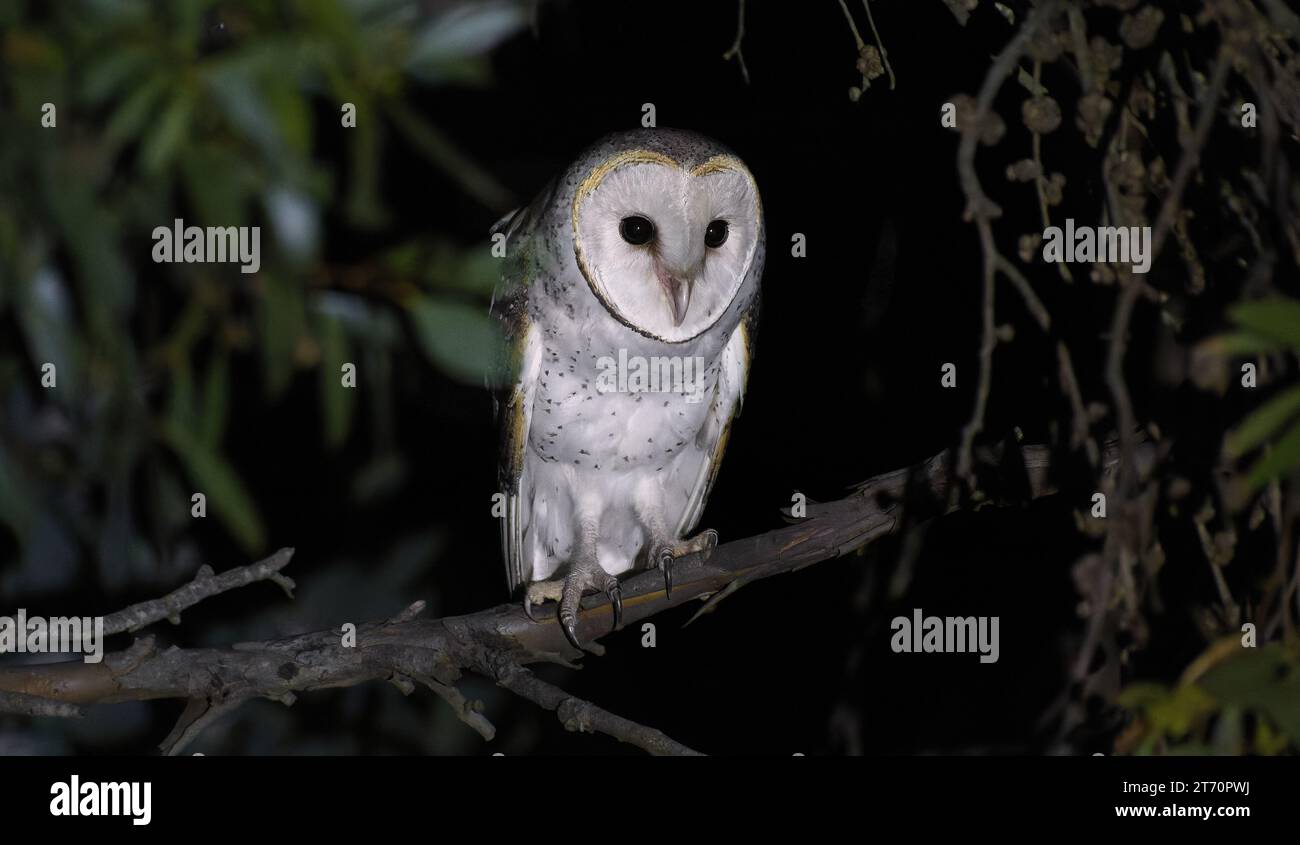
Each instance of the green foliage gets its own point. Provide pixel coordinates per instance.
(462, 339)
(1210, 715)
(1264, 326)
(162, 117)
(1264, 679)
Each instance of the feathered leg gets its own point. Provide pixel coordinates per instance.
(665, 548)
(584, 574)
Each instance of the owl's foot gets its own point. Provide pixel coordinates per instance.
(704, 542)
(540, 592)
(568, 592)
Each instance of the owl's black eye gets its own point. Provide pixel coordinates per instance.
(636, 230)
(716, 235)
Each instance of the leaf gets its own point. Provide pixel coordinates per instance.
(217, 185)
(1264, 679)
(216, 400)
(1141, 694)
(1276, 318)
(16, 500)
(1268, 741)
(464, 341)
(1284, 455)
(45, 314)
(167, 136)
(472, 270)
(26, 49)
(1169, 712)
(1030, 84)
(430, 141)
(1183, 709)
(1239, 344)
(113, 72)
(364, 207)
(217, 480)
(1265, 420)
(130, 117)
(295, 218)
(382, 476)
(466, 31)
(338, 403)
(281, 322)
(182, 405)
(292, 115)
(237, 95)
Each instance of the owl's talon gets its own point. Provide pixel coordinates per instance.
(708, 542)
(571, 603)
(582, 577)
(666, 567)
(569, 625)
(615, 595)
(540, 592)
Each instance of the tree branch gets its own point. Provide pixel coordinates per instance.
(496, 643)
(205, 585)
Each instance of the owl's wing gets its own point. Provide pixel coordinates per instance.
(518, 371)
(728, 396)
(520, 225)
(516, 420)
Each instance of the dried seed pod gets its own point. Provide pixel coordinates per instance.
(1041, 114)
(1102, 274)
(1140, 28)
(1023, 170)
(869, 62)
(1029, 245)
(1054, 189)
(1093, 110)
(991, 129)
(1105, 55)
(1045, 47)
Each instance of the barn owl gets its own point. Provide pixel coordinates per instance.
(629, 301)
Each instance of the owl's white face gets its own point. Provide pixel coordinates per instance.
(666, 249)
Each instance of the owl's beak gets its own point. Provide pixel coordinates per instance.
(678, 291)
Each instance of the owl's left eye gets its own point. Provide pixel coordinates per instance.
(716, 235)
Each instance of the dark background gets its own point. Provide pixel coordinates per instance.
(845, 386)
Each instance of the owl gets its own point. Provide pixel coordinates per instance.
(629, 301)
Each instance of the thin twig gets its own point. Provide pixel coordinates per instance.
(982, 210)
(884, 54)
(204, 586)
(735, 50)
(1126, 421)
(857, 36)
(583, 716)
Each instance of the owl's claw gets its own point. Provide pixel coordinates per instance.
(704, 543)
(540, 592)
(569, 626)
(569, 594)
(707, 541)
(615, 595)
(666, 567)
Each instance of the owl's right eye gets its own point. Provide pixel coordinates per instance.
(636, 230)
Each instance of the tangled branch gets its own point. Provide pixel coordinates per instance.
(498, 643)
